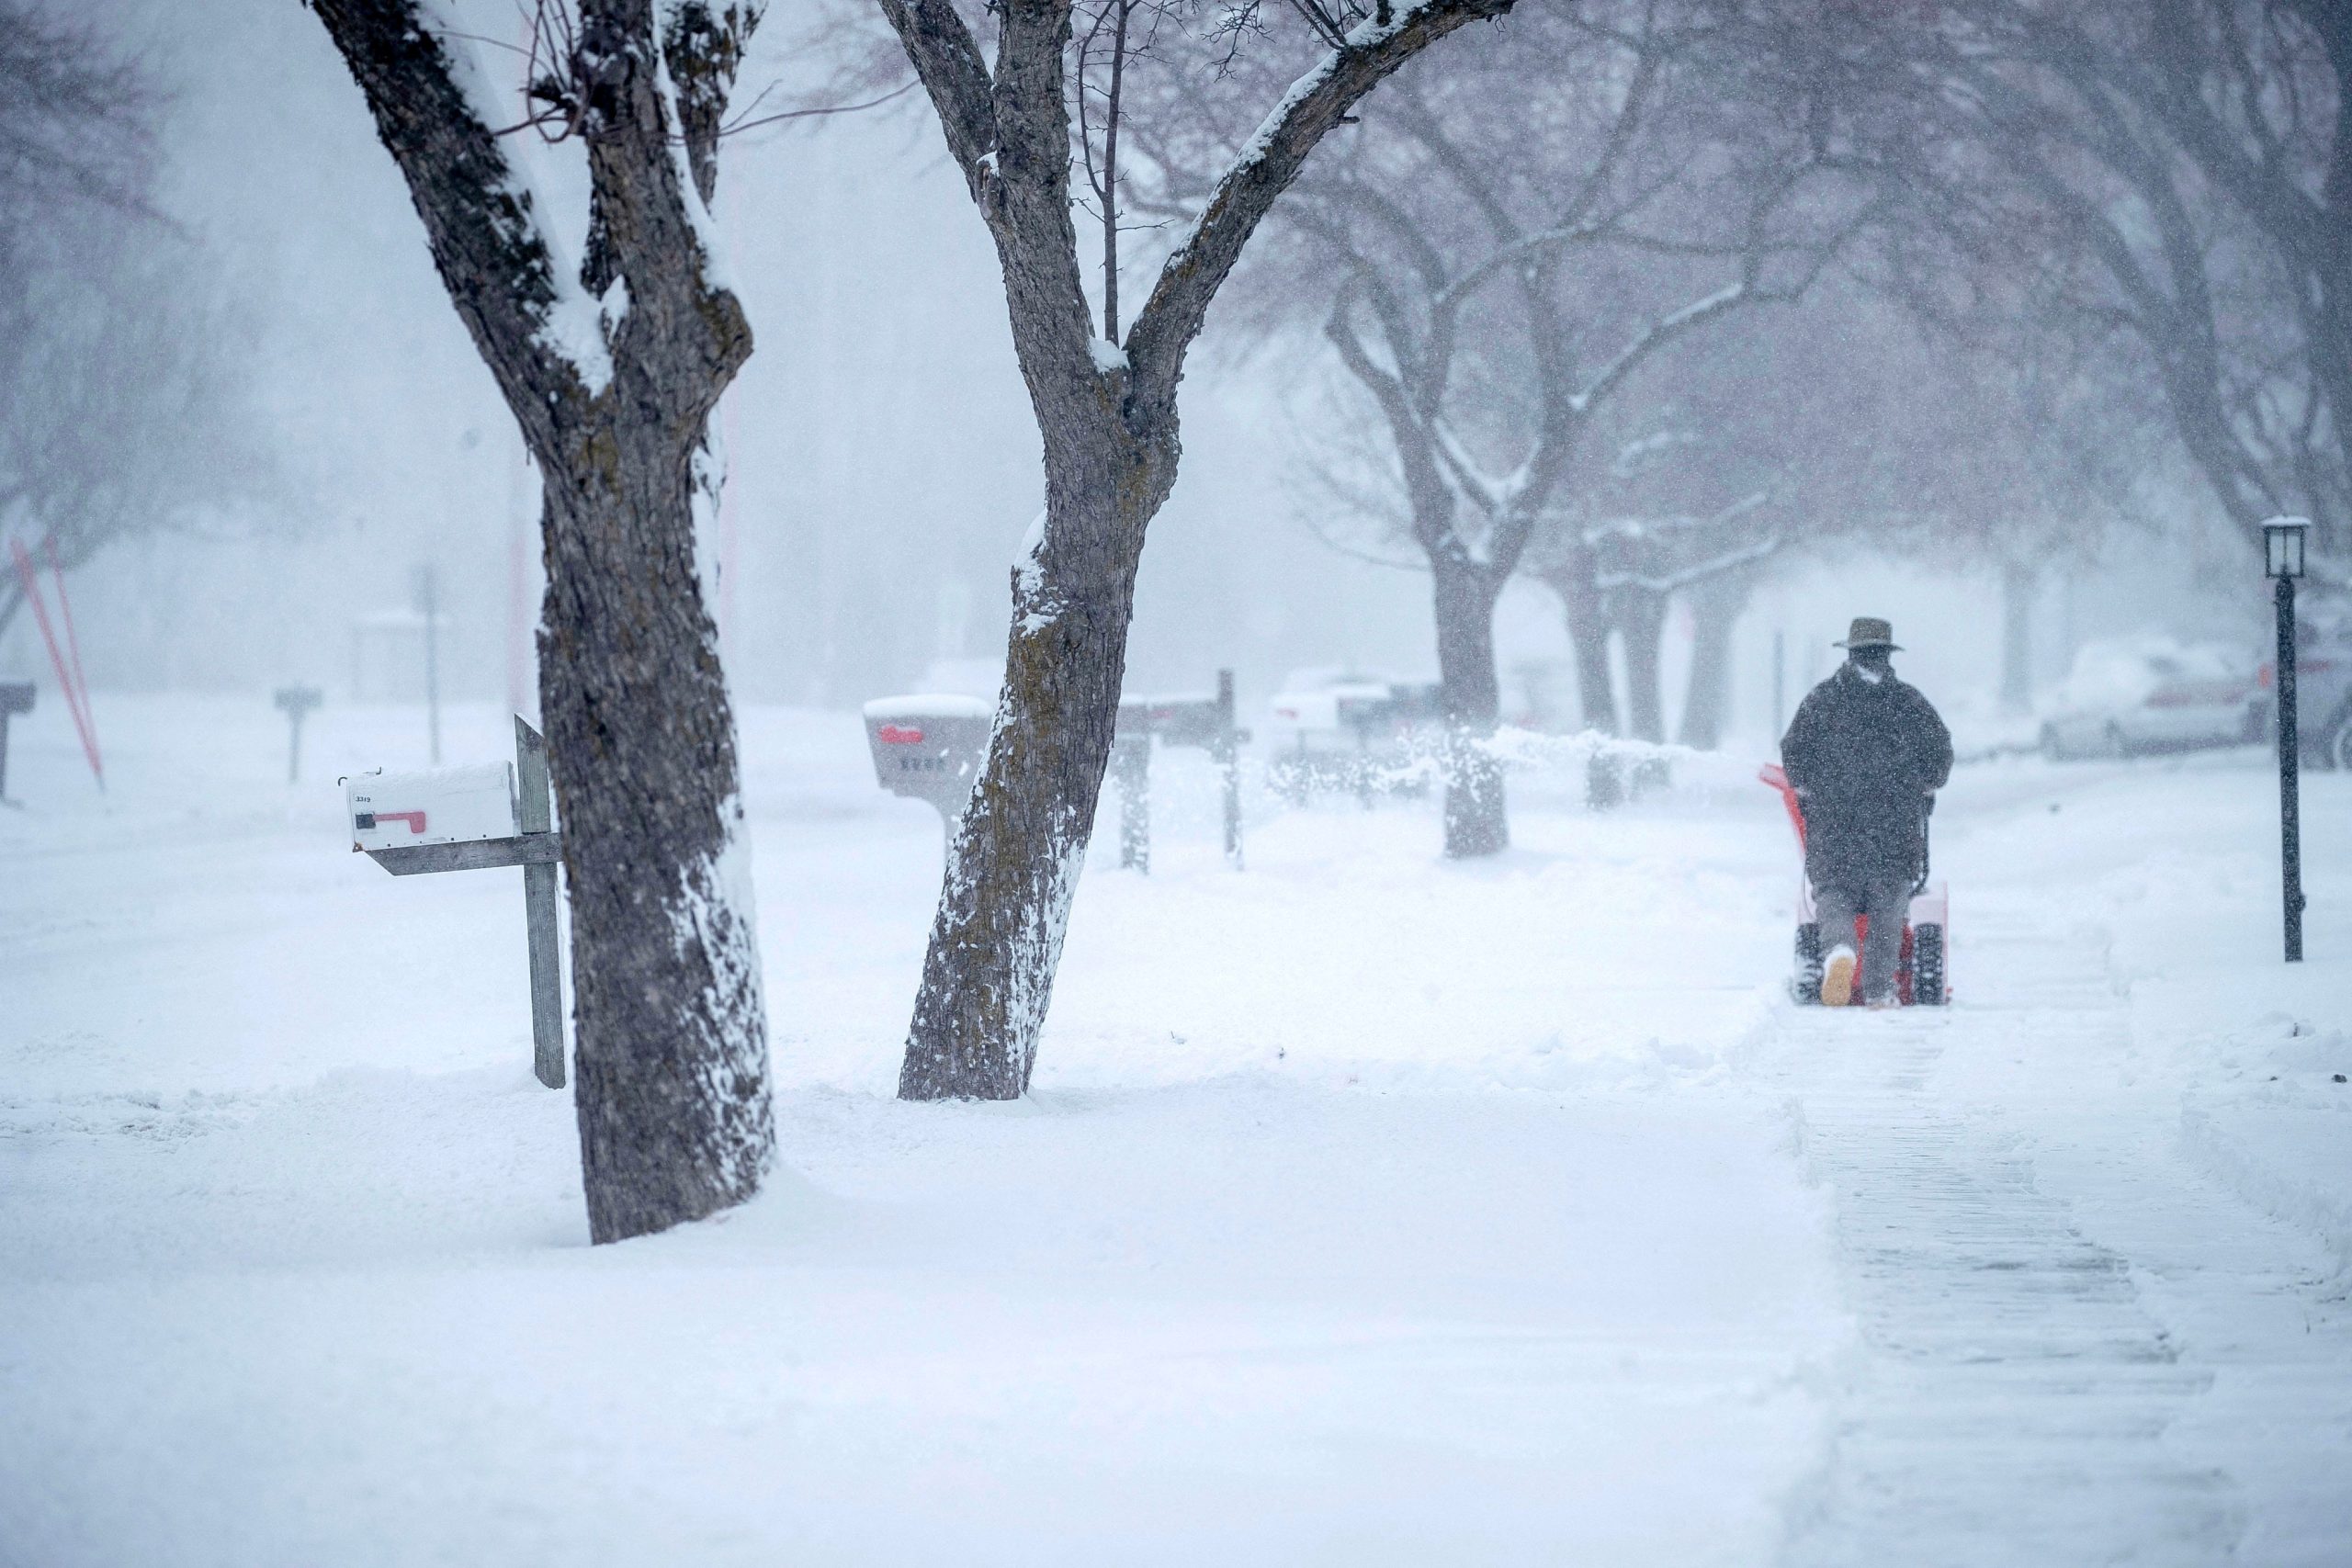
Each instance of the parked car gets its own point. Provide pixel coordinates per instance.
(2148, 693)
(2323, 680)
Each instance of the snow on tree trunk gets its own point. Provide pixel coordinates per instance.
(1588, 626)
(1014, 861)
(1715, 604)
(1477, 820)
(670, 1031)
(1641, 619)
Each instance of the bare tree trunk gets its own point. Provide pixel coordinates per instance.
(2020, 585)
(1014, 862)
(1477, 820)
(1642, 620)
(670, 1032)
(1715, 603)
(1109, 425)
(1587, 625)
(1463, 588)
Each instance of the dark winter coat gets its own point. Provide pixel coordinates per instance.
(1864, 757)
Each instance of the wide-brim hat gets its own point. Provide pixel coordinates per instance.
(1869, 631)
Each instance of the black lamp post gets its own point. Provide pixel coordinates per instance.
(2282, 550)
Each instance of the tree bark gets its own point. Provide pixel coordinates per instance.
(1642, 620)
(1586, 612)
(1014, 861)
(1477, 819)
(669, 1034)
(1715, 604)
(1463, 588)
(669, 1029)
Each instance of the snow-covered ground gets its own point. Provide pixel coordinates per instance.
(1368, 1210)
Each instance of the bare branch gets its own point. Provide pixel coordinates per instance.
(1265, 167)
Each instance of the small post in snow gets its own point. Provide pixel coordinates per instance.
(534, 814)
(2282, 543)
(1196, 719)
(1131, 770)
(1227, 753)
(15, 696)
(295, 702)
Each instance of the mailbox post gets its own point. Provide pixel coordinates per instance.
(1204, 721)
(295, 702)
(1131, 771)
(15, 696)
(477, 818)
(1226, 751)
(931, 749)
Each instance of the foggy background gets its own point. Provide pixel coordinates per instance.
(883, 457)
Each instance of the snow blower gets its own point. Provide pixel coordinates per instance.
(1922, 973)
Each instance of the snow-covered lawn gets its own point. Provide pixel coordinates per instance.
(1367, 1209)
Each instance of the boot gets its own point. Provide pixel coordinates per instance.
(1838, 977)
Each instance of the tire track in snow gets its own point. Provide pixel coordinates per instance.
(2009, 1394)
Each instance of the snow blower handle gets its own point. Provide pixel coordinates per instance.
(1774, 775)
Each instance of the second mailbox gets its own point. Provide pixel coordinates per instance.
(929, 747)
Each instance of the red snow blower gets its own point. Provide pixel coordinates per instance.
(1921, 977)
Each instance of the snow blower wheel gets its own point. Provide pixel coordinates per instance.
(1927, 989)
(1804, 986)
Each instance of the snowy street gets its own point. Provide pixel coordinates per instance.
(1367, 1209)
(1090, 784)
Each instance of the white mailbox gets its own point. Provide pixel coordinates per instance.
(447, 806)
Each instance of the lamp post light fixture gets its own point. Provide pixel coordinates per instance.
(2282, 551)
(2282, 545)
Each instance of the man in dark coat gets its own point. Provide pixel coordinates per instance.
(1866, 754)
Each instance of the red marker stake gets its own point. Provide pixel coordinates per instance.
(74, 650)
(57, 659)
